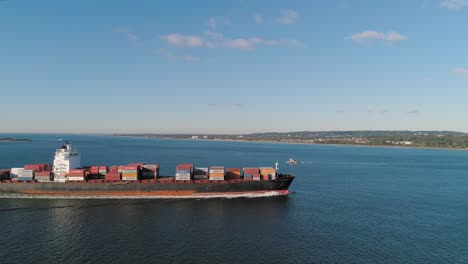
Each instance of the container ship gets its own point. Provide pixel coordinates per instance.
(66, 178)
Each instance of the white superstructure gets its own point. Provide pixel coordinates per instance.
(66, 158)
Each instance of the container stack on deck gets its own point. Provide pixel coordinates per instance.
(130, 172)
(149, 171)
(113, 174)
(251, 174)
(76, 175)
(216, 173)
(43, 176)
(4, 174)
(184, 172)
(14, 173)
(200, 173)
(268, 173)
(139, 171)
(25, 175)
(233, 173)
(28, 172)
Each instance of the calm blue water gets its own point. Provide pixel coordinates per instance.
(349, 205)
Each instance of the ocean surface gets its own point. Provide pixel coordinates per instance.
(348, 204)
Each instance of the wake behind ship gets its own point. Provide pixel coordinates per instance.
(66, 178)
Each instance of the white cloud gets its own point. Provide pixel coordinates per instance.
(126, 32)
(461, 71)
(258, 19)
(241, 43)
(180, 40)
(288, 17)
(251, 43)
(217, 40)
(214, 35)
(453, 4)
(370, 34)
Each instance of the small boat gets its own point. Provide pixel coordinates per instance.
(293, 161)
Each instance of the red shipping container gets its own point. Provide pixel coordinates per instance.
(113, 176)
(94, 169)
(43, 173)
(185, 165)
(113, 169)
(37, 167)
(130, 167)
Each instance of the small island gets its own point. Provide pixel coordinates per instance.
(15, 139)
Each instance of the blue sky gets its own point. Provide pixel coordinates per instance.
(233, 66)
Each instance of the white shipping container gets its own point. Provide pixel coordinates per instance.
(182, 178)
(129, 178)
(75, 178)
(14, 172)
(26, 173)
(256, 178)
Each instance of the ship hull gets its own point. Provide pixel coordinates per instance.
(162, 188)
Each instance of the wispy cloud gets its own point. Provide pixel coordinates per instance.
(412, 112)
(172, 57)
(180, 40)
(167, 54)
(453, 4)
(391, 36)
(213, 22)
(214, 35)
(126, 32)
(258, 19)
(217, 40)
(288, 17)
(461, 71)
(376, 110)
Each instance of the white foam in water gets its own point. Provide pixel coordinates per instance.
(201, 196)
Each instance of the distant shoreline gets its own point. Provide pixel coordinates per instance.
(293, 143)
(15, 140)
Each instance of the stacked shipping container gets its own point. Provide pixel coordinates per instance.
(25, 175)
(233, 173)
(14, 173)
(200, 173)
(184, 172)
(149, 171)
(43, 176)
(216, 173)
(130, 172)
(76, 175)
(4, 174)
(268, 173)
(251, 174)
